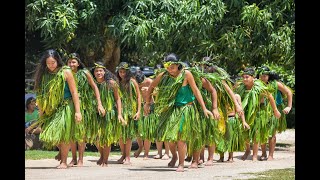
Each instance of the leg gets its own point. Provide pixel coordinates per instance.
(140, 143)
(195, 161)
(210, 155)
(127, 151)
(82, 147)
(64, 155)
(201, 160)
(100, 149)
(221, 157)
(106, 152)
(230, 158)
(255, 151)
(58, 156)
(264, 151)
(272, 147)
(182, 152)
(173, 149)
(147, 145)
(74, 154)
(159, 148)
(248, 151)
(123, 153)
(166, 151)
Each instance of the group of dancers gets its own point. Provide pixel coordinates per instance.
(185, 106)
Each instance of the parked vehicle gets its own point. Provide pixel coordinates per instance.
(148, 71)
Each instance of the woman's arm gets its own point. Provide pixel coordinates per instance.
(239, 109)
(136, 85)
(197, 94)
(214, 97)
(73, 90)
(286, 90)
(118, 101)
(274, 106)
(243, 119)
(93, 85)
(154, 83)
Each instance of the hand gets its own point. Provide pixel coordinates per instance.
(239, 110)
(286, 110)
(216, 114)
(123, 122)
(136, 116)
(208, 113)
(78, 117)
(101, 110)
(245, 125)
(277, 114)
(27, 130)
(146, 109)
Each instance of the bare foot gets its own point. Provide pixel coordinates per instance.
(57, 157)
(200, 161)
(104, 164)
(263, 157)
(137, 153)
(221, 159)
(99, 162)
(194, 165)
(157, 156)
(246, 154)
(120, 161)
(80, 163)
(145, 158)
(62, 166)
(180, 168)
(165, 157)
(270, 158)
(254, 158)
(172, 163)
(127, 162)
(209, 163)
(230, 160)
(72, 163)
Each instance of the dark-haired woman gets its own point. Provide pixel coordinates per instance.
(275, 125)
(58, 103)
(131, 100)
(87, 90)
(179, 118)
(253, 92)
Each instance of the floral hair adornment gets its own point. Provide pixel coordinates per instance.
(96, 65)
(168, 63)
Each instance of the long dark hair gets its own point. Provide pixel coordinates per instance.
(76, 56)
(272, 75)
(42, 66)
(127, 78)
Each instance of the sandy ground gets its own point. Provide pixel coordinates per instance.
(157, 169)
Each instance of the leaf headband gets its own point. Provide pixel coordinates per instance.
(98, 66)
(168, 63)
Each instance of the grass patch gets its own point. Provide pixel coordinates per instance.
(43, 154)
(275, 174)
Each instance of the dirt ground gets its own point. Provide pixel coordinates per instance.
(157, 169)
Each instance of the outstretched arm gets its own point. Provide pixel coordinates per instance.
(285, 90)
(93, 85)
(73, 90)
(196, 92)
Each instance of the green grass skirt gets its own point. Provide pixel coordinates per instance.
(60, 127)
(235, 140)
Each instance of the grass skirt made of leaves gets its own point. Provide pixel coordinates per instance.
(259, 130)
(234, 138)
(60, 127)
(181, 123)
(148, 125)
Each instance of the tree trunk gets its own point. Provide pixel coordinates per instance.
(111, 55)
